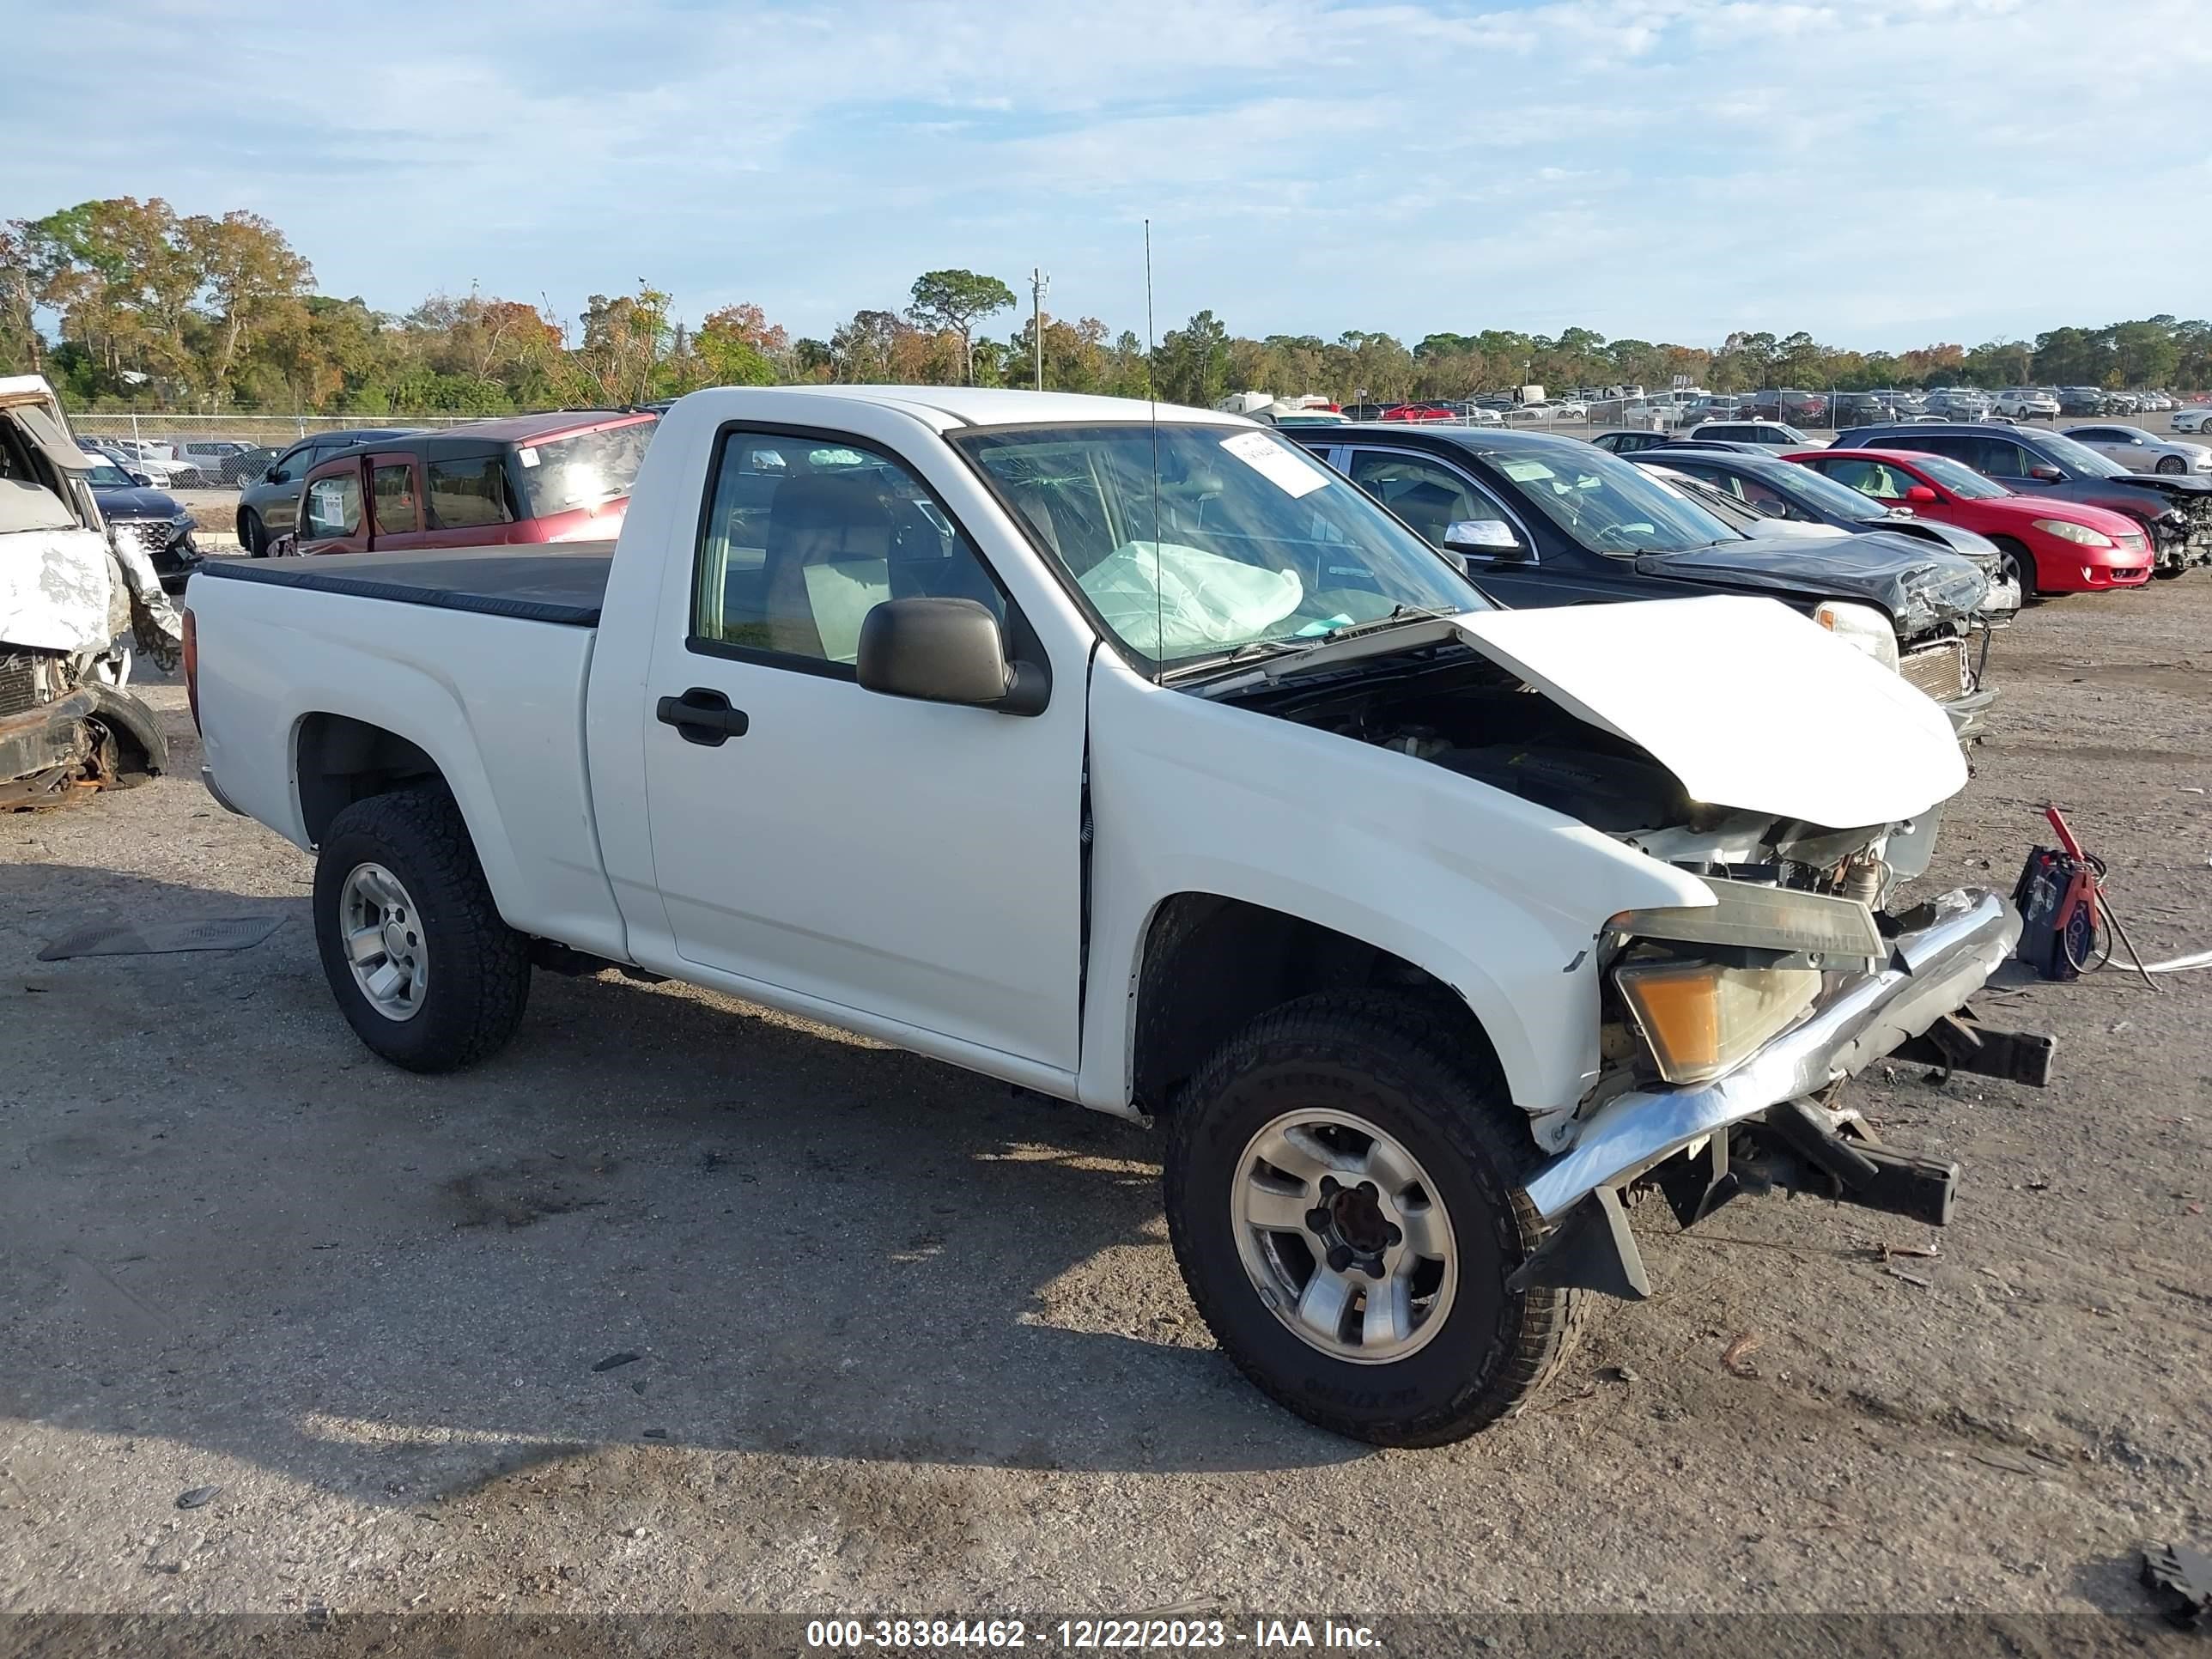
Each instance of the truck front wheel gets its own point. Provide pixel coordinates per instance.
(1345, 1196)
(429, 976)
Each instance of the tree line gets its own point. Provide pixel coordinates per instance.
(127, 305)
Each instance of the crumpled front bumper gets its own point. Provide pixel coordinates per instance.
(61, 733)
(1933, 969)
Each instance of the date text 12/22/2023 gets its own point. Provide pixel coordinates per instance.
(1132, 1634)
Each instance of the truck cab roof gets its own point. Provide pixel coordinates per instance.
(944, 408)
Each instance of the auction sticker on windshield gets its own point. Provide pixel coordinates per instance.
(1281, 465)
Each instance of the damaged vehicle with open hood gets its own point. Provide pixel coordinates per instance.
(1131, 757)
(1545, 520)
(74, 601)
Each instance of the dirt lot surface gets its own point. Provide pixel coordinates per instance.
(681, 1306)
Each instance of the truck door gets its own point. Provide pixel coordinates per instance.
(919, 862)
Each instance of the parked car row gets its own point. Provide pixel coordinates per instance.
(2170, 509)
(1541, 521)
(190, 463)
(2093, 508)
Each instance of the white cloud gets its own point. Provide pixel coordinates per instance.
(1878, 171)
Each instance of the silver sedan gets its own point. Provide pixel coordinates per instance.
(2142, 452)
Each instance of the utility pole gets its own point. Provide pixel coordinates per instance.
(1038, 283)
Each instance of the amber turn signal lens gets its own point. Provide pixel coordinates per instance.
(1701, 1021)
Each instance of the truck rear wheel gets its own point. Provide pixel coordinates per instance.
(1345, 1196)
(427, 975)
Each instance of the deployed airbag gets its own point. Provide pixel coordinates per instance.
(1169, 600)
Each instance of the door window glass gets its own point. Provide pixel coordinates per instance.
(293, 462)
(1867, 477)
(332, 507)
(801, 541)
(1426, 495)
(398, 508)
(468, 492)
(2000, 458)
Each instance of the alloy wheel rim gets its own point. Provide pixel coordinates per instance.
(1343, 1235)
(381, 934)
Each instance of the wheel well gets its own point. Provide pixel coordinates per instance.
(1212, 965)
(342, 760)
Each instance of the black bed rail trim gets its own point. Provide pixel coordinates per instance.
(568, 613)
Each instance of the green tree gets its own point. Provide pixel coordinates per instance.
(250, 279)
(1192, 364)
(2146, 353)
(626, 341)
(958, 300)
(21, 283)
(734, 345)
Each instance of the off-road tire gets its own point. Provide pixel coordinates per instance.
(479, 967)
(1404, 1064)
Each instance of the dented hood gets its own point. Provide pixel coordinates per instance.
(1921, 586)
(1749, 704)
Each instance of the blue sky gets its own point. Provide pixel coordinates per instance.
(1884, 173)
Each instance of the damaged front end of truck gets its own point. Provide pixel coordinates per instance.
(1727, 1027)
(70, 595)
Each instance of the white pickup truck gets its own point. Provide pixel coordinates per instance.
(1134, 758)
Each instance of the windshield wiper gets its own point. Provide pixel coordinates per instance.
(1399, 616)
(1398, 613)
(1244, 652)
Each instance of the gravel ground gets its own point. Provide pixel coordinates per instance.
(682, 1305)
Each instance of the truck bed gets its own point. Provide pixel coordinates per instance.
(564, 585)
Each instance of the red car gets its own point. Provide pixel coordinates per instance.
(559, 477)
(1417, 413)
(2049, 546)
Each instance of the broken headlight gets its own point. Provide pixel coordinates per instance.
(1862, 627)
(1701, 1020)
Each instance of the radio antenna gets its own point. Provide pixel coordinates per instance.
(1153, 392)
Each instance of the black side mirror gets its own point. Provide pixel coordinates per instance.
(939, 650)
(270, 476)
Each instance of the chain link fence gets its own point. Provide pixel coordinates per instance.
(221, 452)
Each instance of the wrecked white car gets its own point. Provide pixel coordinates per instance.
(71, 601)
(1136, 758)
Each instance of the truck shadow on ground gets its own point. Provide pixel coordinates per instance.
(657, 1220)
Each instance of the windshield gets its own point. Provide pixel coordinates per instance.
(1737, 515)
(1959, 479)
(1605, 505)
(1824, 493)
(588, 469)
(2079, 456)
(104, 476)
(1193, 541)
